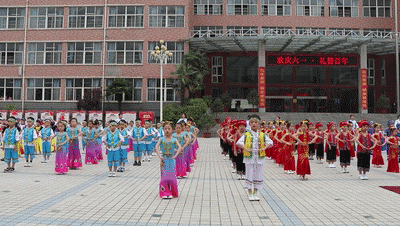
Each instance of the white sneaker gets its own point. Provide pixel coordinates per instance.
(333, 166)
(27, 164)
(165, 197)
(243, 177)
(170, 197)
(239, 177)
(224, 157)
(342, 170)
(114, 174)
(255, 197)
(251, 197)
(233, 171)
(110, 174)
(365, 177)
(44, 161)
(361, 177)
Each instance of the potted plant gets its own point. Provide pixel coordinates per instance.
(253, 100)
(207, 122)
(216, 107)
(383, 105)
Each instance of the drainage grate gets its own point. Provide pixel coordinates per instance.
(37, 181)
(264, 217)
(6, 191)
(369, 217)
(102, 184)
(339, 199)
(157, 215)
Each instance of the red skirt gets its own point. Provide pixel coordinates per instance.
(289, 158)
(377, 158)
(393, 162)
(303, 165)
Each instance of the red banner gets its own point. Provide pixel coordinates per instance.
(261, 87)
(146, 116)
(364, 89)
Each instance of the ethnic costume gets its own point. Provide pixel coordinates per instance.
(113, 141)
(10, 139)
(99, 147)
(320, 144)
(91, 146)
(46, 134)
(364, 155)
(288, 150)
(74, 153)
(303, 165)
(168, 183)
(138, 133)
(377, 158)
(332, 151)
(180, 163)
(240, 166)
(393, 161)
(123, 152)
(344, 147)
(61, 153)
(29, 135)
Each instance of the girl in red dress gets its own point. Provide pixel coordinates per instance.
(319, 142)
(279, 144)
(331, 142)
(269, 130)
(366, 143)
(377, 159)
(288, 148)
(393, 141)
(304, 139)
(272, 135)
(352, 143)
(312, 132)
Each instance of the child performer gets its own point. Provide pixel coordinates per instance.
(84, 130)
(344, 139)
(393, 141)
(183, 139)
(320, 141)
(312, 131)
(240, 166)
(366, 143)
(254, 144)
(90, 138)
(99, 147)
(139, 134)
(332, 144)
(288, 148)
(124, 146)
(304, 139)
(377, 159)
(74, 154)
(38, 141)
(168, 148)
(149, 141)
(62, 149)
(113, 140)
(47, 135)
(29, 135)
(10, 139)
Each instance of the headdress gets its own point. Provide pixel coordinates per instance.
(319, 124)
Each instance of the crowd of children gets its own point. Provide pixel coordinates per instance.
(176, 150)
(249, 143)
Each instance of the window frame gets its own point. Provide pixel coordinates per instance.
(209, 6)
(335, 4)
(157, 90)
(45, 52)
(125, 51)
(215, 31)
(55, 17)
(252, 6)
(85, 16)
(43, 89)
(13, 87)
(167, 16)
(17, 17)
(277, 30)
(371, 71)
(85, 53)
(310, 8)
(175, 52)
(112, 98)
(125, 16)
(82, 88)
(15, 52)
(376, 9)
(265, 7)
(215, 68)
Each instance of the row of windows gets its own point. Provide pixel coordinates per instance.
(76, 89)
(92, 17)
(214, 31)
(87, 52)
(337, 8)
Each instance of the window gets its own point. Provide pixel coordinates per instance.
(11, 53)
(176, 48)
(277, 7)
(377, 8)
(46, 17)
(44, 53)
(125, 16)
(170, 93)
(84, 53)
(208, 7)
(343, 32)
(310, 8)
(217, 69)
(310, 31)
(76, 89)
(136, 92)
(10, 89)
(383, 71)
(125, 52)
(371, 71)
(12, 18)
(208, 31)
(242, 31)
(167, 16)
(43, 89)
(242, 7)
(85, 17)
(380, 33)
(277, 30)
(343, 8)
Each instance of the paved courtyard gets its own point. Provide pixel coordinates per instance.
(211, 195)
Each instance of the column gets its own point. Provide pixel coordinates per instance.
(261, 76)
(363, 80)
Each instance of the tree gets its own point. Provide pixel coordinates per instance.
(252, 98)
(10, 107)
(217, 106)
(195, 108)
(206, 122)
(172, 112)
(208, 100)
(90, 101)
(190, 73)
(226, 100)
(118, 88)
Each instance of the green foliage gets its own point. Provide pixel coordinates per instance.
(252, 98)
(90, 102)
(383, 102)
(206, 122)
(191, 72)
(10, 107)
(195, 108)
(119, 87)
(226, 100)
(172, 112)
(217, 106)
(208, 100)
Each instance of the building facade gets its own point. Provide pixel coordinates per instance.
(55, 52)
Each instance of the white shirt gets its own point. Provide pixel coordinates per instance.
(248, 127)
(254, 149)
(121, 139)
(396, 123)
(355, 124)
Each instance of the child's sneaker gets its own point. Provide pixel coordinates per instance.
(255, 196)
(251, 197)
(114, 174)
(110, 174)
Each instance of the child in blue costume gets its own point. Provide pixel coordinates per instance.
(113, 140)
(62, 149)
(124, 146)
(139, 134)
(90, 138)
(47, 135)
(74, 154)
(168, 148)
(29, 135)
(149, 141)
(10, 139)
(84, 130)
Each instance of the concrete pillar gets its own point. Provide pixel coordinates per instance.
(261, 76)
(363, 65)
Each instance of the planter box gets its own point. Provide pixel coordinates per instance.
(383, 110)
(207, 135)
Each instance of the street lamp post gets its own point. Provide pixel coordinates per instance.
(396, 21)
(162, 54)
